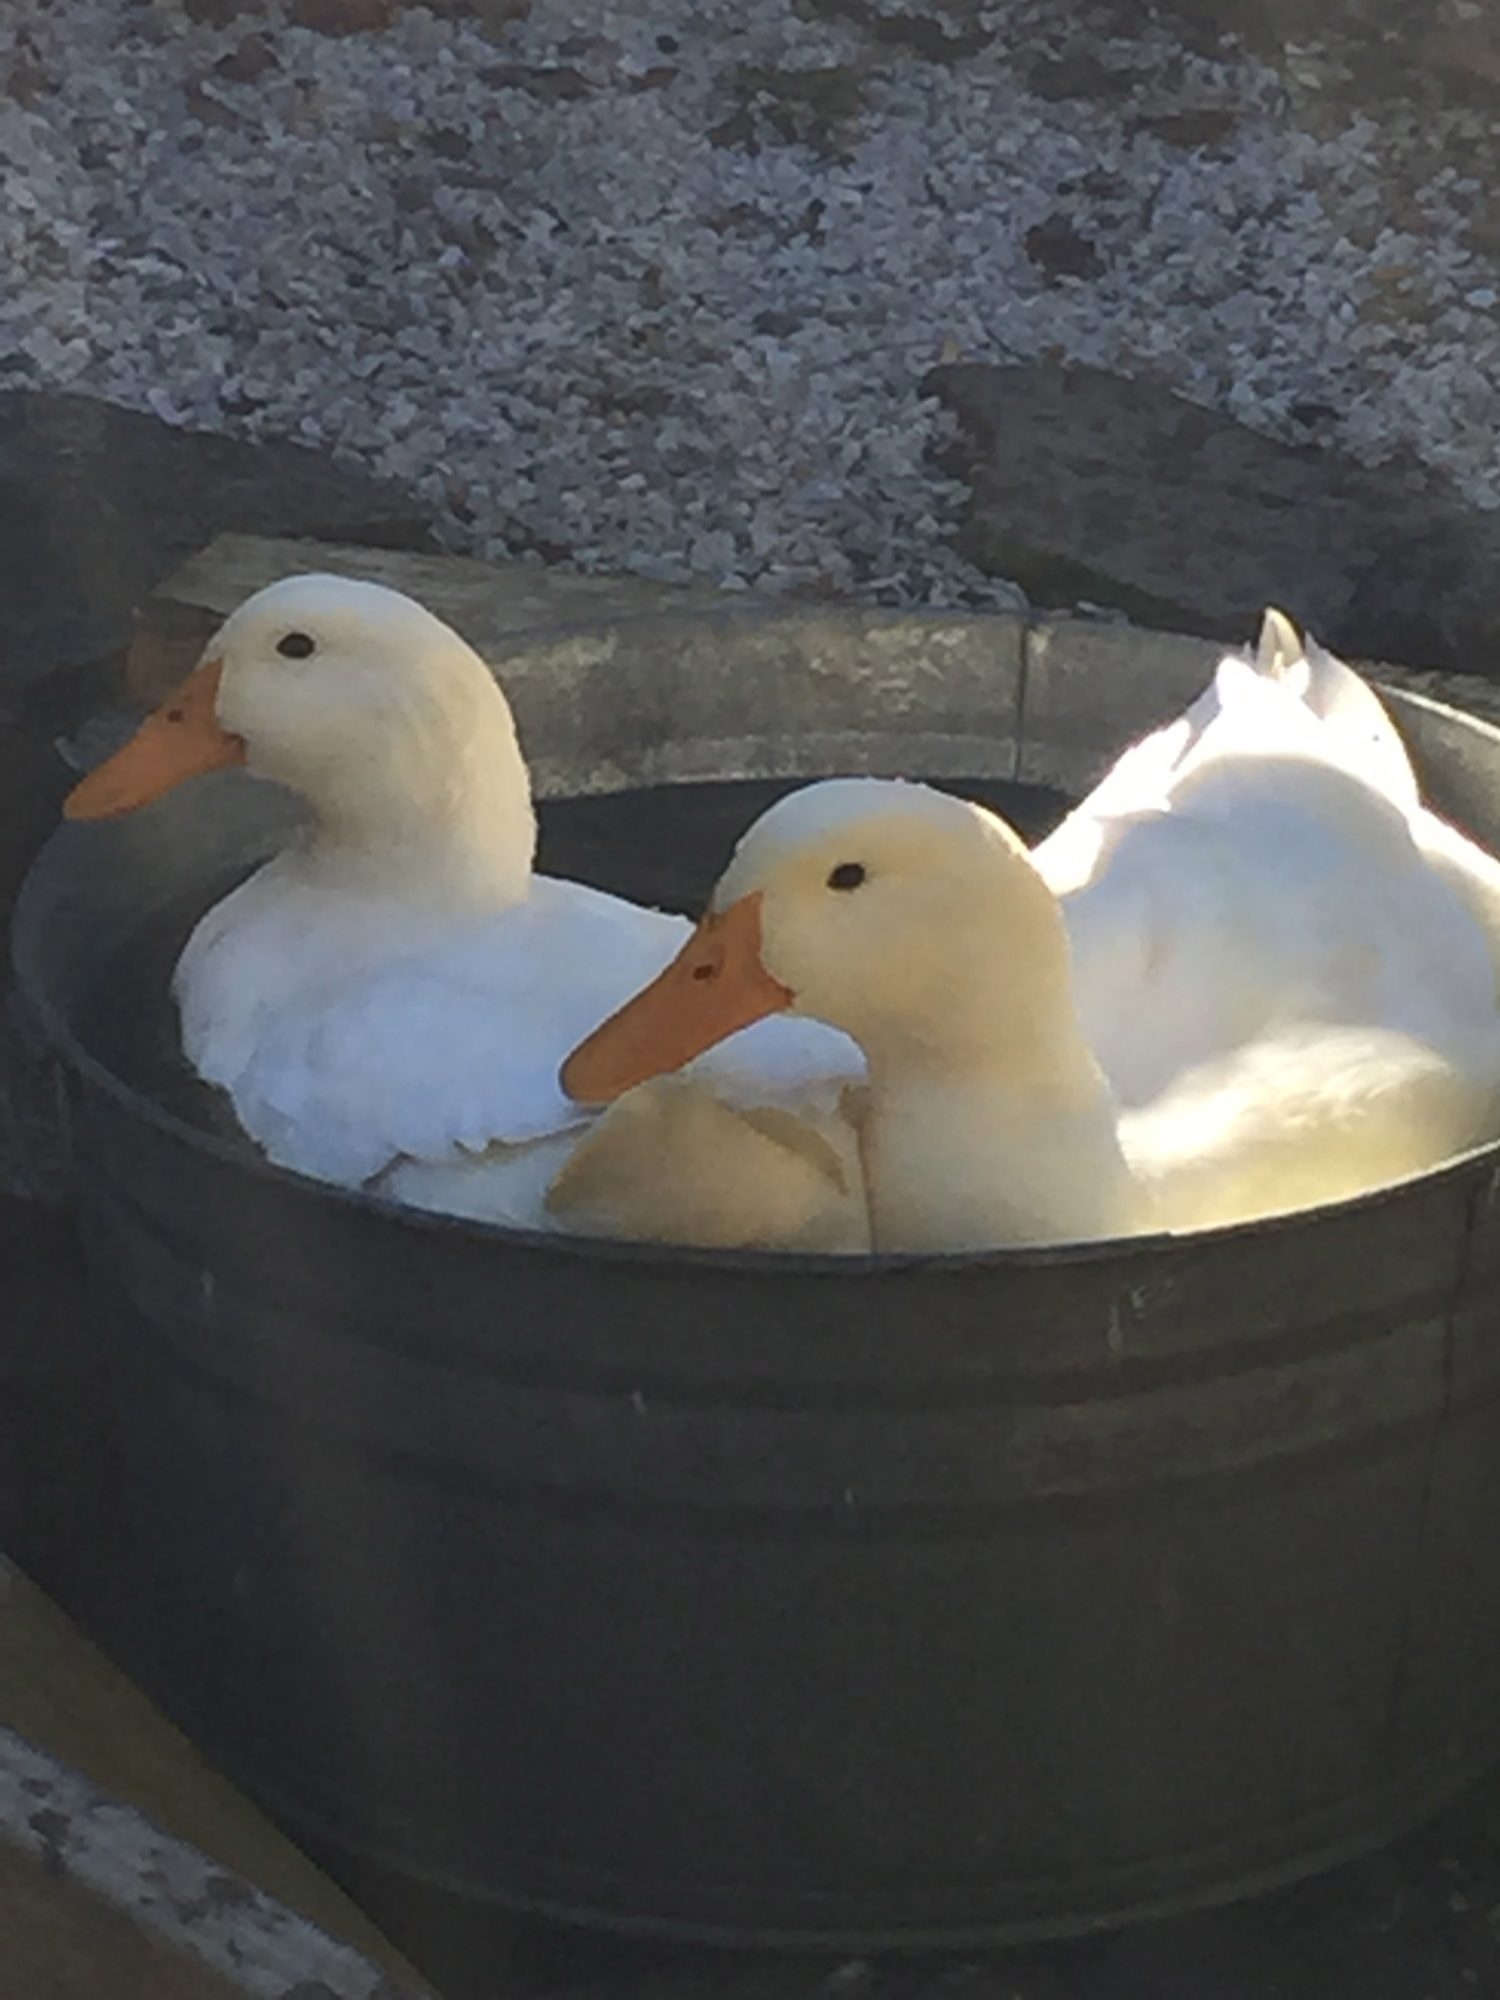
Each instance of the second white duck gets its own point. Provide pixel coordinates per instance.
(920, 925)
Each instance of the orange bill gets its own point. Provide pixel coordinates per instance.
(176, 741)
(715, 986)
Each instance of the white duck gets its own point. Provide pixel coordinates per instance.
(396, 989)
(1214, 883)
(920, 925)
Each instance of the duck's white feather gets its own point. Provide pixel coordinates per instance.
(1353, 711)
(683, 1160)
(750, 1146)
(1338, 695)
(417, 1037)
(351, 1032)
(1308, 1114)
(507, 1184)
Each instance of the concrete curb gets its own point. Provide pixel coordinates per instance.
(103, 1801)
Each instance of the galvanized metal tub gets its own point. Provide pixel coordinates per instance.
(902, 1602)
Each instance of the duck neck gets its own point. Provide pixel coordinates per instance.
(987, 1140)
(459, 834)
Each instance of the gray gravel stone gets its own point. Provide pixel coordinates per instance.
(657, 289)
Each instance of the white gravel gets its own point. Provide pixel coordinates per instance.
(580, 325)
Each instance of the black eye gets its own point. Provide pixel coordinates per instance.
(848, 875)
(296, 645)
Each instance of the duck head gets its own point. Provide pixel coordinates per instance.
(913, 921)
(354, 696)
